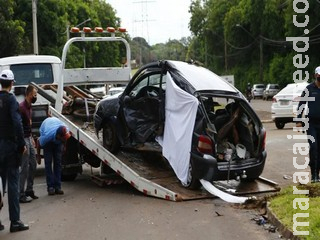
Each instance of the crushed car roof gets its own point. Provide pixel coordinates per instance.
(201, 78)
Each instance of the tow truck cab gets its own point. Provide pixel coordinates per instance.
(38, 69)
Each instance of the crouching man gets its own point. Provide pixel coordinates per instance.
(53, 136)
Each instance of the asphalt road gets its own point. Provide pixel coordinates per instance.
(87, 211)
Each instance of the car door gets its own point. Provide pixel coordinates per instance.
(143, 108)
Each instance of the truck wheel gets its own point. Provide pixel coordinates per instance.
(110, 139)
(279, 124)
(192, 182)
(70, 162)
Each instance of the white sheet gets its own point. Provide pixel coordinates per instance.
(180, 110)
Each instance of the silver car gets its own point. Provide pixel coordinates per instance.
(270, 91)
(257, 90)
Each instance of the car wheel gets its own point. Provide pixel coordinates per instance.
(279, 124)
(110, 139)
(192, 182)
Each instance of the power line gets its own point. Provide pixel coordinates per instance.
(144, 17)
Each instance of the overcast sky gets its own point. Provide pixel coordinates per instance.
(155, 20)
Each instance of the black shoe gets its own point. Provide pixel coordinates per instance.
(24, 199)
(1, 226)
(18, 226)
(51, 192)
(314, 179)
(59, 191)
(31, 194)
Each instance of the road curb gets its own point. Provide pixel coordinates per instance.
(285, 232)
(267, 121)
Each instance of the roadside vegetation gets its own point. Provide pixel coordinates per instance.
(244, 38)
(282, 207)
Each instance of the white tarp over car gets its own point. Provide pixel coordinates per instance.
(180, 111)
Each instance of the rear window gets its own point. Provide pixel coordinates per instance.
(39, 73)
(293, 89)
(274, 87)
(259, 86)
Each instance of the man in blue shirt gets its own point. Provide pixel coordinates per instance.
(12, 146)
(313, 117)
(53, 136)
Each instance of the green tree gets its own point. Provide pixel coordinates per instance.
(12, 29)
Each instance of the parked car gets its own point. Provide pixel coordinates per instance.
(270, 91)
(285, 103)
(257, 90)
(202, 125)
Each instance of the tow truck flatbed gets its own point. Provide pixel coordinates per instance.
(150, 173)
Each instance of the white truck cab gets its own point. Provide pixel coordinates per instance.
(40, 69)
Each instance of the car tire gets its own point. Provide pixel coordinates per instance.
(280, 124)
(109, 136)
(192, 182)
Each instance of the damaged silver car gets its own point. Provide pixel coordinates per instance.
(202, 125)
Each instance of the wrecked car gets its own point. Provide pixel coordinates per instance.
(202, 125)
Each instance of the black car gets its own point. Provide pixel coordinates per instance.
(200, 123)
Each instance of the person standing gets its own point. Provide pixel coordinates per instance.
(53, 136)
(28, 161)
(248, 92)
(12, 146)
(313, 116)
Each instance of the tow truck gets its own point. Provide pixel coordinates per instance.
(60, 94)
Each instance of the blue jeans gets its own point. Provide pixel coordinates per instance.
(10, 174)
(52, 158)
(314, 151)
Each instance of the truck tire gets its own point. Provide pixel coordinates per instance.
(89, 157)
(71, 165)
(280, 124)
(109, 136)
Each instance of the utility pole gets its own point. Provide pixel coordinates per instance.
(261, 58)
(144, 17)
(35, 29)
(225, 54)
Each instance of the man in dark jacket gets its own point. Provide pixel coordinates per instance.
(312, 92)
(28, 161)
(12, 146)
